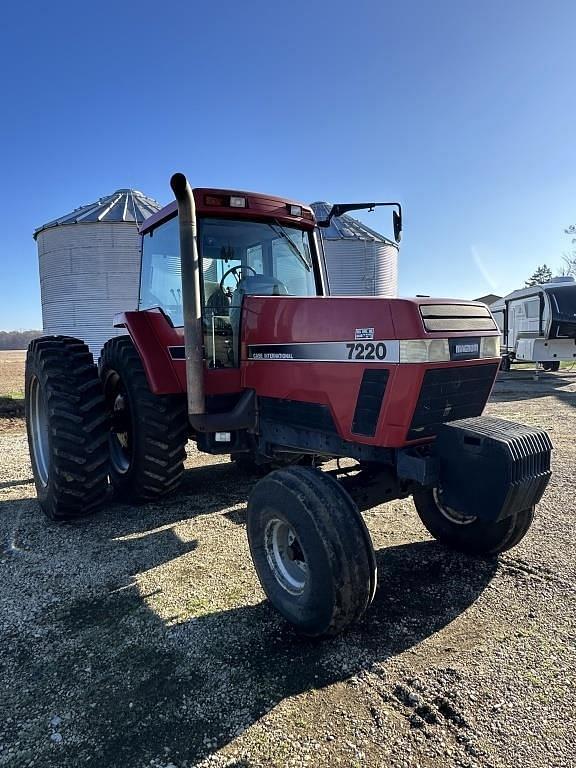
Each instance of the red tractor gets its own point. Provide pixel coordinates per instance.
(237, 345)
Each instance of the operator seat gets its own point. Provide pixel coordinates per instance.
(217, 302)
(252, 285)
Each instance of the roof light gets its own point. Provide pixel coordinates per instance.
(295, 210)
(213, 201)
(237, 202)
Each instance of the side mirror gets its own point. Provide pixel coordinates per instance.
(397, 223)
(338, 209)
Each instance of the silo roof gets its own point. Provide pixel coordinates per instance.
(345, 227)
(128, 205)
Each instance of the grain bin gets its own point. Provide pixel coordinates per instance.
(359, 261)
(89, 262)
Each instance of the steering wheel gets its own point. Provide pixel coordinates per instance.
(235, 271)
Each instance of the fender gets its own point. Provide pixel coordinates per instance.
(153, 336)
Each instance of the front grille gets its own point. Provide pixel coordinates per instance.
(369, 401)
(448, 394)
(456, 317)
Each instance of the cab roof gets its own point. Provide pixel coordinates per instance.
(217, 202)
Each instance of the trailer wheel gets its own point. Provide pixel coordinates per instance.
(148, 432)
(67, 427)
(505, 363)
(468, 533)
(311, 550)
(551, 365)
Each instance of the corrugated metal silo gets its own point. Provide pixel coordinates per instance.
(359, 261)
(89, 262)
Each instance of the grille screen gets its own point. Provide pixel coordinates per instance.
(453, 393)
(456, 317)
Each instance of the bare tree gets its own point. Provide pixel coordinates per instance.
(17, 339)
(569, 266)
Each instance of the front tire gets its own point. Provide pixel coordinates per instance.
(311, 550)
(467, 533)
(149, 432)
(67, 427)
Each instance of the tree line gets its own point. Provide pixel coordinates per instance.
(17, 339)
(543, 273)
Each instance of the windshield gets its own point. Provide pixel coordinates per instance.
(563, 302)
(249, 249)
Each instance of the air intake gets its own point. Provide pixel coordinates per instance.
(456, 317)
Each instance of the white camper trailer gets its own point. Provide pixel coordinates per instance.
(538, 324)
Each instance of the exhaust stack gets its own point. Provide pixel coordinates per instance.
(191, 302)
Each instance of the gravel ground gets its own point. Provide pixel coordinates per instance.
(140, 637)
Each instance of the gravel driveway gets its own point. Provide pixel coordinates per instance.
(140, 637)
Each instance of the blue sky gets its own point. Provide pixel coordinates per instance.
(463, 111)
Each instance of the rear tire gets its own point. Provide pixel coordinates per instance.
(311, 550)
(67, 427)
(149, 432)
(551, 365)
(470, 534)
(505, 363)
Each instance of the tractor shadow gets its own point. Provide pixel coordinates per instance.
(216, 676)
(140, 687)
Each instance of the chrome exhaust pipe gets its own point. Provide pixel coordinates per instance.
(191, 301)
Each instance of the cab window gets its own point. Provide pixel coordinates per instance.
(160, 277)
(246, 257)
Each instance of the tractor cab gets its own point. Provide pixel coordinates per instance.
(248, 244)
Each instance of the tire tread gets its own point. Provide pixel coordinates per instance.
(162, 426)
(77, 424)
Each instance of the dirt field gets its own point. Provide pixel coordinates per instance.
(11, 372)
(11, 384)
(140, 637)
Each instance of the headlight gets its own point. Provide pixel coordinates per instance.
(424, 351)
(490, 346)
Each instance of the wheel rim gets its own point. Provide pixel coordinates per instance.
(39, 431)
(286, 556)
(121, 429)
(451, 514)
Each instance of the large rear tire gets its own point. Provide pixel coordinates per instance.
(67, 427)
(311, 550)
(148, 432)
(467, 533)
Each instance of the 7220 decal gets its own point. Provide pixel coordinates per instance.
(368, 351)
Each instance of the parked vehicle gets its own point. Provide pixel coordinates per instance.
(538, 324)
